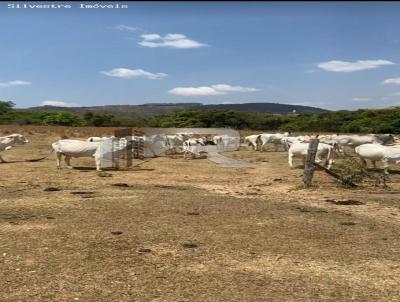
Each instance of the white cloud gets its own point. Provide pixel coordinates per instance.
(397, 94)
(220, 89)
(228, 88)
(126, 73)
(58, 104)
(126, 28)
(361, 100)
(150, 37)
(395, 81)
(170, 41)
(14, 83)
(343, 66)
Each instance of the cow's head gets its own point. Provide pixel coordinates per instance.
(391, 139)
(335, 146)
(18, 139)
(385, 139)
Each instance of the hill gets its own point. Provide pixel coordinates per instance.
(152, 109)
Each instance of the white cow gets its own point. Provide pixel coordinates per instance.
(273, 138)
(376, 152)
(13, 139)
(194, 141)
(193, 148)
(217, 139)
(175, 142)
(300, 149)
(97, 138)
(76, 148)
(287, 141)
(252, 140)
(358, 140)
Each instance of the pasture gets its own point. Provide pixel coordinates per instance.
(187, 230)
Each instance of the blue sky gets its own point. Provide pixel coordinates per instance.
(340, 55)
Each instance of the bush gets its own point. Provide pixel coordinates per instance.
(61, 118)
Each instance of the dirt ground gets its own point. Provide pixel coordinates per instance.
(187, 230)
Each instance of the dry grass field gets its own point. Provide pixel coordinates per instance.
(187, 230)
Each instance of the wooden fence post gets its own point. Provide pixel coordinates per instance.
(309, 164)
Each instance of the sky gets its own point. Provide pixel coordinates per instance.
(333, 55)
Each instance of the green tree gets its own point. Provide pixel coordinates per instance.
(6, 106)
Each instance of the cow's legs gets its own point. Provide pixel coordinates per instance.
(263, 146)
(2, 160)
(329, 162)
(98, 162)
(363, 162)
(290, 160)
(276, 147)
(67, 160)
(373, 163)
(58, 158)
(385, 167)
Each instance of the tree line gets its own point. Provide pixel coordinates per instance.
(359, 121)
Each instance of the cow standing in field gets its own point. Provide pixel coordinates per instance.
(376, 152)
(6, 142)
(217, 139)
(267, 138)
(252, 140)
(74, 148)
(300, 149)
(193, 148)
(358, 140)
(287, 141)
(175, 142)
(70, 148)
(97, 138)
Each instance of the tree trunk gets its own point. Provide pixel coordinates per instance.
(309, 165)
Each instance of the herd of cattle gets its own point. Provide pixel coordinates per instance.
(373, 147)
(187, 143)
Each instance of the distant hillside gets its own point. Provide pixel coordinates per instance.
(266, 108)
(152, 109)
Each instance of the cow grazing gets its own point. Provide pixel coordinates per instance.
(376, 152)
(6, 142)
(300, 149)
